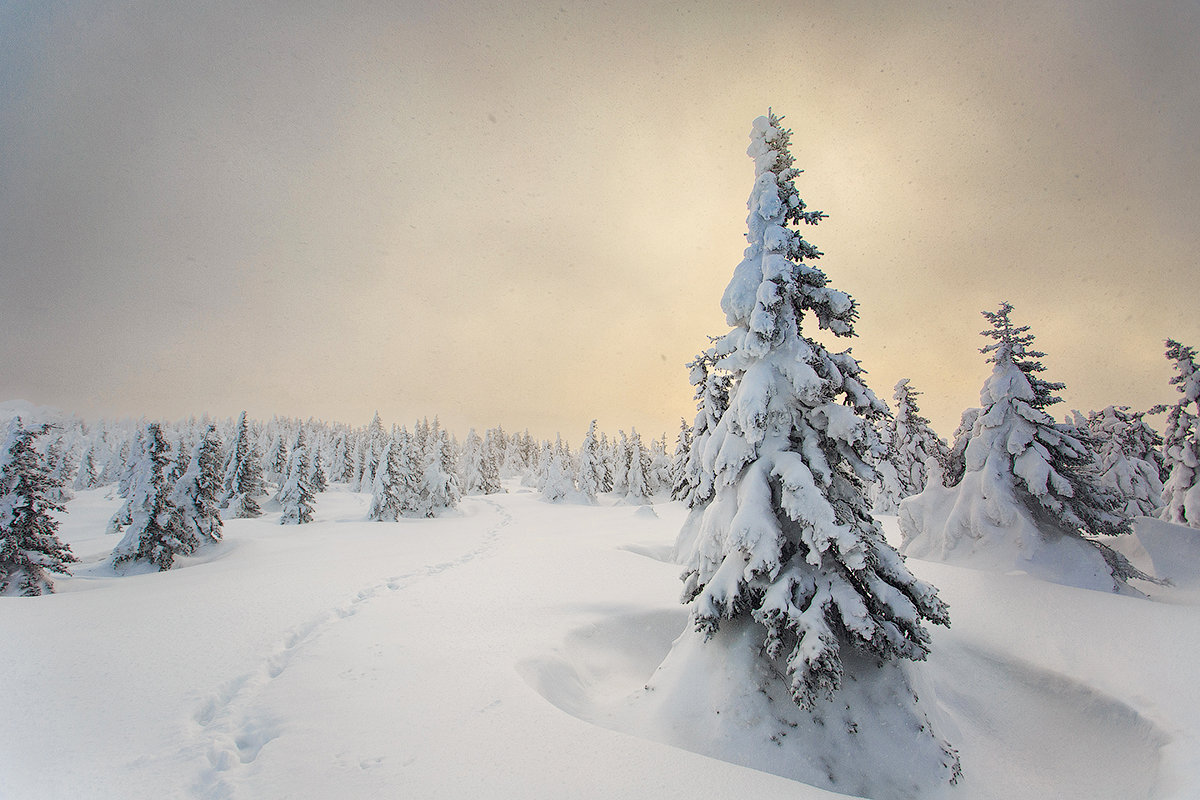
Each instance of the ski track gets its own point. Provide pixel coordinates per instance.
(231, 733)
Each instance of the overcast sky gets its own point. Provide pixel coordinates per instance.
(526, 214)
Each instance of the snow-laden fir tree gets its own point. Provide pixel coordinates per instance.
(637, 475)
(388, 491)
(554, 481)
(1029, 497)
(679, 458)
(955, 465)
(196, 496)
(86, 476)
(910, 444)
(440, 479)
(712, 388)
(471, 468)
(296, 495)
(243, 480)
(29, 544)
(151, 534)
(317, 478)
(1181, 448)
(661, 477)
(1127, 458)
(590, 476)
(788, 575)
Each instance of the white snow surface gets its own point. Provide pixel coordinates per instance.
(503, 651)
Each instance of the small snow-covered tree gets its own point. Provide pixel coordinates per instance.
(243, 480)
(712, 388)
(471, 468)
(86, 476)
(1029, 496)
(1127, 458)
(387, 500)
(555, 472)
(910, 444)
(590, 476)
(440, 489)
(679, 460)
(1181, 445)
(196, 496)
(151, 534)
(29, 543)
(296, 495)
(637, 474)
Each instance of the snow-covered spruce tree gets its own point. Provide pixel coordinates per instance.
(679, 459)
(387, 502)
(439, 479)
(712, 400)
(1181, 448)
(85, 476)
(243, 481)
(151, 534)
(793, 589)
(29, 544)
(590, 476)
(196, 496)
(1127, 458)
(910, 443)
(955, 464)
(296, 495)
(1029, 496)
(637, 475)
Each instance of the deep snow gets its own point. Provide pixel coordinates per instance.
(502, 652)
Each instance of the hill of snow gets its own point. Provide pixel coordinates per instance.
(501, 652)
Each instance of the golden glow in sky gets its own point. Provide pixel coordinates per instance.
(526, 215)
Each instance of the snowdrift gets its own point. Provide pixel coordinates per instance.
(505, 652)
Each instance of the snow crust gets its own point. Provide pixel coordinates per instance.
(504, 653)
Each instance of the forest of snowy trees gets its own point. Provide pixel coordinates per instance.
(180, 480)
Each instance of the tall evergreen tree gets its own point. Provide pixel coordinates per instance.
(197, 494)
(784, 564)
(1181, 447)
(29, 544)
(151, 535)
(1029, 496)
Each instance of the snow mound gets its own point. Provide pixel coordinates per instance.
(1174, 550)
(978, 524)
(1022, 731)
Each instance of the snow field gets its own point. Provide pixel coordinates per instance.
(436, 658)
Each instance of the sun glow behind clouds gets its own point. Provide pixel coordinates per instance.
(527, 216)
